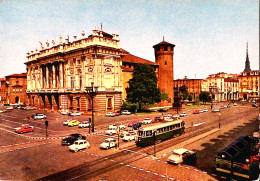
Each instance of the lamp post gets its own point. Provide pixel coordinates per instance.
(154, 132)
(92, 91)
(219, 120)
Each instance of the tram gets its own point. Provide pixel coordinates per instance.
(148, 134)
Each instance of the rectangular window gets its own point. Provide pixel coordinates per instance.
(89, 104)
(165, 48)
(13, 90)
(109, 103)
(80, 81)
(72, 82)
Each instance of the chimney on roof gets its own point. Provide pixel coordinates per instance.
(83, 34)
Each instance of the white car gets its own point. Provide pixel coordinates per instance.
(180, 155)
(1, 111)
(121, 127)
(147, 121)
(108, 143)
(65, 123)
(84, 124)
(110, 114)
(167, 118)
(129, 137)
(176, 116)
(75, 113)
(64, 112)
(39, 116)
(111, 130)
(10, 108)
(183, 114)
(205, 110)
(125, 112)
(79, 145)
(201, 111)
(215, 110)
(235, 104)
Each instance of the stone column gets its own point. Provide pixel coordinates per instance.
(53, 76)
(47, 77)
(61, 74)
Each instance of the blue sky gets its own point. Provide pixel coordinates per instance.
(210, 36)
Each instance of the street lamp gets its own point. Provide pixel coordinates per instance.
(92, 91)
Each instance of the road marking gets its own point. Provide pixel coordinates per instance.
(134, 167)
(141, 169)
(155, 173)
(128, 165)
(148, 171)
(163, 176)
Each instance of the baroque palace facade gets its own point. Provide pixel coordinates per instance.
(58, 73)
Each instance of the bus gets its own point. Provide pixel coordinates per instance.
(148, 134)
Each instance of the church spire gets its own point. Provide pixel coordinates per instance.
(247, 67)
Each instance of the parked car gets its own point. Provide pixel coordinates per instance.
(108, 143)
(167, 118)
(124, 132)
(255, 105)
(215, 110)
(157, 119)
(147, 121)
(10, 108)
(118, 113)
(183, 114)
(39, 116)
(65, 123)
(1, 111)
(76, 113)
(110, 114)
(235, 104)
(205, 110)
(176, 116)
(111, 130)
(29, 108)
(137, 125)
(73, 123)
(181, 155)
(72, 138)
(84, 124)
(64, 112)
(121, 127)
(125, 112)
(201, 111)
(196, 112)
(225, 106)
(132, 123)
(79, 145)
(24, 129)
(130, 136)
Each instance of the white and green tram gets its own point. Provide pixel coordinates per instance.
(148, 134)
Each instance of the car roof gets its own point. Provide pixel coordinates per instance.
(180, 151)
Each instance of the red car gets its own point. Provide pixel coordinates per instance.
(24, 129)
(196, 112)
(132, 123)
(157, 119)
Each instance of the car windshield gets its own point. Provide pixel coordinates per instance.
(127, 134)
(76, 143)
(106, 141)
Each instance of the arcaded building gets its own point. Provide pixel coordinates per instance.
(13, 89)
(58, 73)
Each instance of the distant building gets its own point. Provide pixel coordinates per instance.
(13, 89)
(249, 85)
(194, 85)
(222, 86)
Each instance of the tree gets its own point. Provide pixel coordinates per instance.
(183, 90)
(205, 97)
(143, 86)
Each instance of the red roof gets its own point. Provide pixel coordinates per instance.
(163, 43)
(2, 79)
(135, 59)
(126, 69)
(230, 80)
(17, 75)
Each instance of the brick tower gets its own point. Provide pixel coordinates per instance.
(164, 57)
